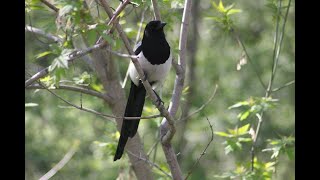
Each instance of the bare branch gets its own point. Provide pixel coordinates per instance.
(167, 129)
(90, 92)
(75, 88)
(268, 90)
(62, 162)
(249, 59)
(79, 53)
(151, 163)
(121, 54)
(285, 85)
(76, 54)
(118, 11)
(203, 106)
(51, 6)
(42, 33)
(203, 152)
(156, 10)
(179, 82)
(37, 76)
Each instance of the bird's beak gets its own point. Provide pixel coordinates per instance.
(161, 25)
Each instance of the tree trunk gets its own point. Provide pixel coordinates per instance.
(191, 78)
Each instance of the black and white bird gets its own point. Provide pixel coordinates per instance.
(155, 59)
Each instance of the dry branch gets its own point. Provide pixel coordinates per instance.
(61, 163)
(203, 152)
(42, 33)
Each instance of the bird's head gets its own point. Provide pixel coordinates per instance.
(154, 27)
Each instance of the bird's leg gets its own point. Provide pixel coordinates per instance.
(159, 99)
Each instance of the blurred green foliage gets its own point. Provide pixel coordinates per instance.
(52, 127)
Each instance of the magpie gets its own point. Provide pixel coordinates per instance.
(154, 56)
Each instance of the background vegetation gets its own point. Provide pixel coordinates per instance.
(52, 127)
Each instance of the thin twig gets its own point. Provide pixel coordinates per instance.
(203, 106)
(203, 152)
(248, 57)
(121, 54)
(74, 55)
(42, 33)
(153, 147)
(95, 112)
(61, 163)
(151, 163)
(76, 89)
(118, 11)
(141, 23)
(285, 85)
(269, 91)
(156, 10)
(276, 46)
(167, 128)
(51, 6)
(137, 39)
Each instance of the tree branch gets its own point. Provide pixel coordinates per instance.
(76, 89)
(93, 93)
(51, 6)
(42, 33)
(72, 56)
(203, 106)
(151, 163)
(179, 82)
(166, 134)
(248, 57)
(285, 85)
(203, 152)
(156, 10)
(62, 162)
(121, 54)
(37, 76)
(269, 89)
(118, 11)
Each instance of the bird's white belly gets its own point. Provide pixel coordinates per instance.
(155, 73)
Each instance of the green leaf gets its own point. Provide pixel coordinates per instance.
(244, 115)
(290, 153)
(223, 134)
(240, 139)
(243, 129)
(239, 104)
(61, 61)
(107, 38)
(221, 7)
(31, 104)
(233, 11)
(43, 54)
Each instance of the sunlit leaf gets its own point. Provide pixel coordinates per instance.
(233, 11)
(244, 115)
(31, 104)
(239, 104)
(43, 54)
(223, 134)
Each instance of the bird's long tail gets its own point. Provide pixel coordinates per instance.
(134, 108)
